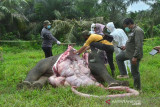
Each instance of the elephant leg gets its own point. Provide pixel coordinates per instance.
(42, 67)
(99, 70)
(40, 83)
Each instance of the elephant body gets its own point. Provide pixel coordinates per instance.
(39, 75)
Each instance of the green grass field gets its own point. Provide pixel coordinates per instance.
(18, 60)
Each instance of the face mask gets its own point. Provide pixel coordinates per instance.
(49, 26)
(108, 31)
(127, 29)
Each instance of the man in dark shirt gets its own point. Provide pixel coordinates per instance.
(48, 39)
(133, 51)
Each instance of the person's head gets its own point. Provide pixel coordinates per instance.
(128, 24)
(93, 26)
(99, 28)
(85, 34)
(110, 27)
(47, 24)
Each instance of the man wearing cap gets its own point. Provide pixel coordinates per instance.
(48, 39)
(94, 41)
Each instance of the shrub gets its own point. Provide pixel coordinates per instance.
(8, 36)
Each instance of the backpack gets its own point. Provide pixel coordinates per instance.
(107, 37)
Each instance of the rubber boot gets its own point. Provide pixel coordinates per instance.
(137, 83)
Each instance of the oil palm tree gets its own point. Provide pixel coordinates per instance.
(11, 15)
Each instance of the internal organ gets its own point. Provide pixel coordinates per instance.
(71, 69)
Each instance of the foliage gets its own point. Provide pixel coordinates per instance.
(26, 16)
(149, 19)
(12, 17)
(70, 30)
(8, 36)
(1, 54)
(156, 30)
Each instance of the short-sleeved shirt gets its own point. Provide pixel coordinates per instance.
(95, 38)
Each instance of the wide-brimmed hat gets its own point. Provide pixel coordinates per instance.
(46, 22)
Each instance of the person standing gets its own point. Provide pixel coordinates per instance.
(119, 39)
(47, 39)
(133, 51)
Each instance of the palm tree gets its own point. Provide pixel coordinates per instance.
(11, 15)
(13, 8)
(150, 18)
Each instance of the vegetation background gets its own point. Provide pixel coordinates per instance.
(21, 20)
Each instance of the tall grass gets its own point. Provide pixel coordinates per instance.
(19, 60)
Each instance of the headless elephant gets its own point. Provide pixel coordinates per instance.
(39, 75)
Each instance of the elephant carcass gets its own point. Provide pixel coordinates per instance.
(39, 75)
(72, 70)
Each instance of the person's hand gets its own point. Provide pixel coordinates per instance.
(123, 47)
(134, 61)
(75, 52)
(157, 48)
(58, 42)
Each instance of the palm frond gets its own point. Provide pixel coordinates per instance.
(57, 14)
(69, 30)
(4, 9)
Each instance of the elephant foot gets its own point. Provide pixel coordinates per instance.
(24, 84)
(119, 83)
(37, 85)
(123, 83)
(113, 84)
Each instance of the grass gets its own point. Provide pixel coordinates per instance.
(18, 60)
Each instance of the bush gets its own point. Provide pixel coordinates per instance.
(8, 36)
(156, 30)
(70, 30)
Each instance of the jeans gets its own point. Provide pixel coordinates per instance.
(120, 58)
(109, 49)
(47, 51)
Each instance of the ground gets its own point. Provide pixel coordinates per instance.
(18, 60)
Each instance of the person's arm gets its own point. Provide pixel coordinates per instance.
(158, 48)
(124, 38)
(139, 35)
(51, 37)
(80, 50)
(86, 45)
